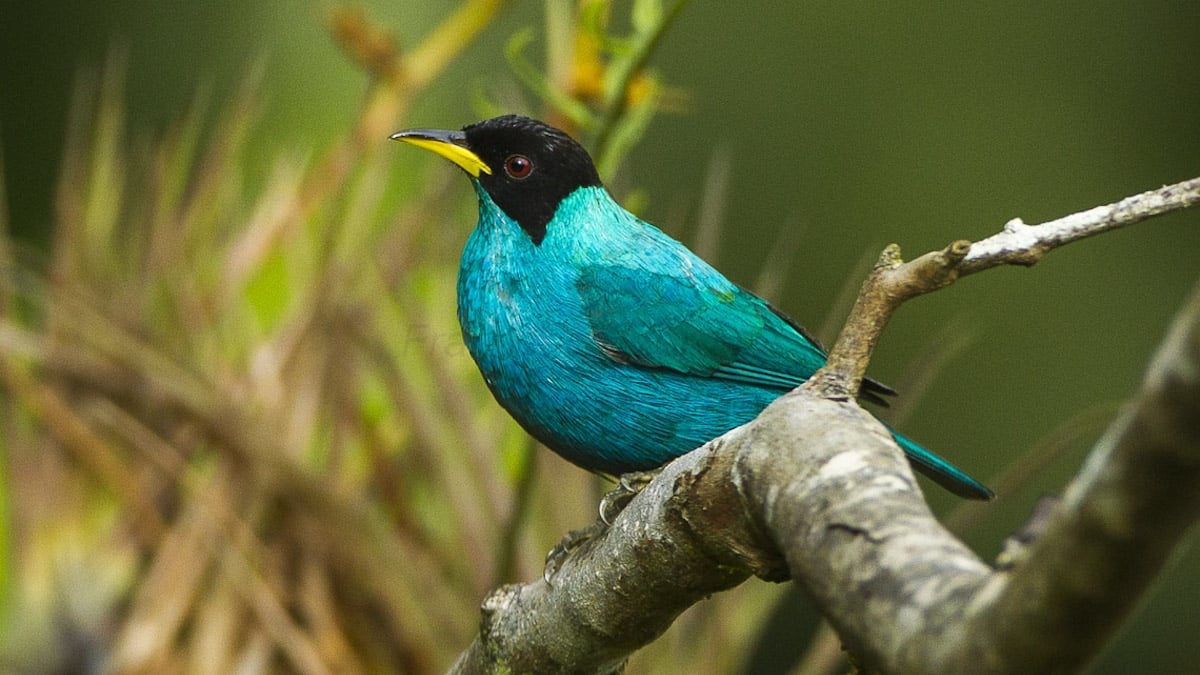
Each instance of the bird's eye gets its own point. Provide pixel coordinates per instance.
(518, 166)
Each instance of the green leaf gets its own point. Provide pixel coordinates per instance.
(267, 291)
(536, 80)
(646, 15)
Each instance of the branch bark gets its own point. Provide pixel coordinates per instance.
(894, 281)
(814, 489)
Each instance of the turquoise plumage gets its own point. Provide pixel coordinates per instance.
(607, 340)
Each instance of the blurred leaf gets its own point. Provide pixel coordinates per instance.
(628, 132)
(6, 563)
(646, 16)
(267, 291)
(537, 81)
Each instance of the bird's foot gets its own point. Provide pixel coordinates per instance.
(629, 485)
(611, 504)
(570, 543)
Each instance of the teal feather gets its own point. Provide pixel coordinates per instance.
(618, 347)
(607, 340)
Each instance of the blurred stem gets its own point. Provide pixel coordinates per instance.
(7, 413)
(398, 80)
(616, 95)
(774, 272)
(94, 452)
(526, 478)
(944, 345)
(824, 655)
(710, 216)
(629, 131)
(1034, 462)
(560, 47)
(559, 98)
(447, 41)
(6, 566)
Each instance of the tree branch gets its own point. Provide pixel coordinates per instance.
(893, 281)
(1021, 244)
(1120, 518)
(815, 489)
(624, 588)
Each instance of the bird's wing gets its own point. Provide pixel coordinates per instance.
(693, 321)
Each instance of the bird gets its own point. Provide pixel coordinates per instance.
(607, 340)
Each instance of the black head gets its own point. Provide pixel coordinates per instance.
(526, 166)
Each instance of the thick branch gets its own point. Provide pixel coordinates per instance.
(1137, 495)
(820, 483)
(1114, 530)
(623, 589)
(815, 488)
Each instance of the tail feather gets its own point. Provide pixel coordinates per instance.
(942, 472)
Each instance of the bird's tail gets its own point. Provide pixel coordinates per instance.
(942, 472)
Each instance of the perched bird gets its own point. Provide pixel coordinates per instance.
(606, 339)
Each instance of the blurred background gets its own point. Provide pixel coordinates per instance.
(240, 431)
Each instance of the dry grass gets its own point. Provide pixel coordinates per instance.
(241, 432)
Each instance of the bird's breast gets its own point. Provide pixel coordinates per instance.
(525, 325)
(522, 322)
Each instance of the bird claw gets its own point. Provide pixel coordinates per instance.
(566, 547)
(629, 485)
(611, 505)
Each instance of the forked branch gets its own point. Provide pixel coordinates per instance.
(815, 489)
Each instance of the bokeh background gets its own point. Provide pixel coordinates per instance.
(799, 138)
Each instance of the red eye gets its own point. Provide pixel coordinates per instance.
(518, 166)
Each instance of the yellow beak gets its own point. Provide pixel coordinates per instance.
(449, 144)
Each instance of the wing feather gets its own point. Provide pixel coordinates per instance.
(681, 323)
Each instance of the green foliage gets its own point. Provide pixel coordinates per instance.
(247, 400)
(598, 82)
(238, 425)
(6, 567)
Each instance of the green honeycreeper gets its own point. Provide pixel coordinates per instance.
(607, 340)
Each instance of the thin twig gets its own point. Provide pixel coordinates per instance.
(1021, 244)
(894, 281)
